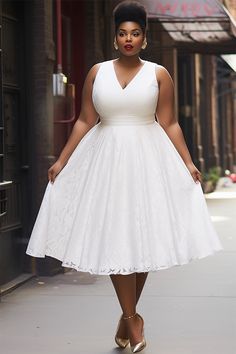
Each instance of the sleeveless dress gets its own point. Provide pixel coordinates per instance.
(125, 201)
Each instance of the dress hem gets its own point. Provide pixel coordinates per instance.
(123, 271)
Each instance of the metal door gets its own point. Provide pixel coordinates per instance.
(13, 141)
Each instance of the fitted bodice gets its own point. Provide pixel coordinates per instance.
(134, 104)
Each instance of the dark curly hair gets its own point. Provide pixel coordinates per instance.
(130, 11)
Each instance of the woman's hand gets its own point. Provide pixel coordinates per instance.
(196, 174)
(54, 170)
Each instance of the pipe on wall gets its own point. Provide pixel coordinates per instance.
(59, 36)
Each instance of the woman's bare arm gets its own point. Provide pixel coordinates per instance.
(87, 119)
(166, 116)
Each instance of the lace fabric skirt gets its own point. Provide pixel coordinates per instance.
(125, 202)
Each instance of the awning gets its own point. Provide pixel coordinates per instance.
(230, 59)
(195, 21)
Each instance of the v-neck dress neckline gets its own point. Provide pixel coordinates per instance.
(133, 78)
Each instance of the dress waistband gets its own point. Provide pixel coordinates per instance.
(127, 120)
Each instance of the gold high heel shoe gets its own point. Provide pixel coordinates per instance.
(141, 345)
(121, 342)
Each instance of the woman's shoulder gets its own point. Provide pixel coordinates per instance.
(94, 69)
(101, 63)
(156, 65)
(161, 71)
(162, 74)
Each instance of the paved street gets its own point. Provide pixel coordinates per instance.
(187, 310)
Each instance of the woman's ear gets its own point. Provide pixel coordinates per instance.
(115, 43)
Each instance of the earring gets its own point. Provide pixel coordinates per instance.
(115, 44)
(144, 44)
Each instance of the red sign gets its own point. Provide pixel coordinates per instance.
(184, 8)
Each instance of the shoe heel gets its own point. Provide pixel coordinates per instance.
(141, 345)
(121, 342)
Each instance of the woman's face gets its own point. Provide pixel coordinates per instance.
(129, 38)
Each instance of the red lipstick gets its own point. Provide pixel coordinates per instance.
(128, 47)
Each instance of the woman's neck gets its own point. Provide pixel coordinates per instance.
(129, 61)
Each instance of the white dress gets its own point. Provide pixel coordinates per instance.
(125, 201)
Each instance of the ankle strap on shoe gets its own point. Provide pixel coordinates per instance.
(128, 317)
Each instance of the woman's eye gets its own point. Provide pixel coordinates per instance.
(136, 34)
(121, 34)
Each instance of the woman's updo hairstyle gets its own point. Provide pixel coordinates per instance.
(130, 11)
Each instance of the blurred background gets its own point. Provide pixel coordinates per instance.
(46, 50)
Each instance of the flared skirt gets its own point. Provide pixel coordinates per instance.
(125, 202)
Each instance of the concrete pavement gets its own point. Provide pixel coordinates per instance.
(187, 310)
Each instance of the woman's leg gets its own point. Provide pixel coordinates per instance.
(128, 289)
(140, 281)
(125, 287)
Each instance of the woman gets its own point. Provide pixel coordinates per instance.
(124, 196)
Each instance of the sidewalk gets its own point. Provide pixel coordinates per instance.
(187, 310)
